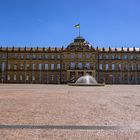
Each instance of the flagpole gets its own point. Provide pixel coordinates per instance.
(78, 26)
(79, 30)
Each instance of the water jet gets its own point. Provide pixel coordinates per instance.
(86, 80)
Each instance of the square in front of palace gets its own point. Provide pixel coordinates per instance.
(63, 105)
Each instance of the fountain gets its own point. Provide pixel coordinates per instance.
(86, 80)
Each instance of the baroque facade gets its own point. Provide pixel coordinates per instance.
(63, 65)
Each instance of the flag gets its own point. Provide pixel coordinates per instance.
(77, 26)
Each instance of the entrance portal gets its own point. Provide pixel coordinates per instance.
(73, 75)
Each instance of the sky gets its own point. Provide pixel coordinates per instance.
(50, 23)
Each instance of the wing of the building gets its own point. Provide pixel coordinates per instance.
(64, 65)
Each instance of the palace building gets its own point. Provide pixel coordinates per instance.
(64, 65)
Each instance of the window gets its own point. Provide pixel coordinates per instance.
(87, 65)
(4, 56)
(58, 56)
(21, 77)
(52, 66)
(46, 56)
(28, 56)
(131, 77)
(118, 56)
(8, 77)
(34, 56)
(106, 66)
(119, 66)
(33, 66)
(72, 65)
(87, 56)
(132, 67)
(27, 66)
(33, 77)
(80, 65)
(106, 56)
(64, 56)
(46, 66)
(125, 77)
(21, 66)
(15, 66)
(9, 66)
(125, 67)
(40, 66)
(27, 77)
(15, 77)
(58, 66)
(100, 66)
(3, 66)
(22, 56)
(132, 56)
(80, 55)
(138, 57)
(113, 66)
(72, 55)
(100, 56)
(16, 55)
(39, 56)
(124, 57)
(112, 56)
(52, 56)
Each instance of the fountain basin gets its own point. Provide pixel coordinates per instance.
(75, 84)
(86, 80)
